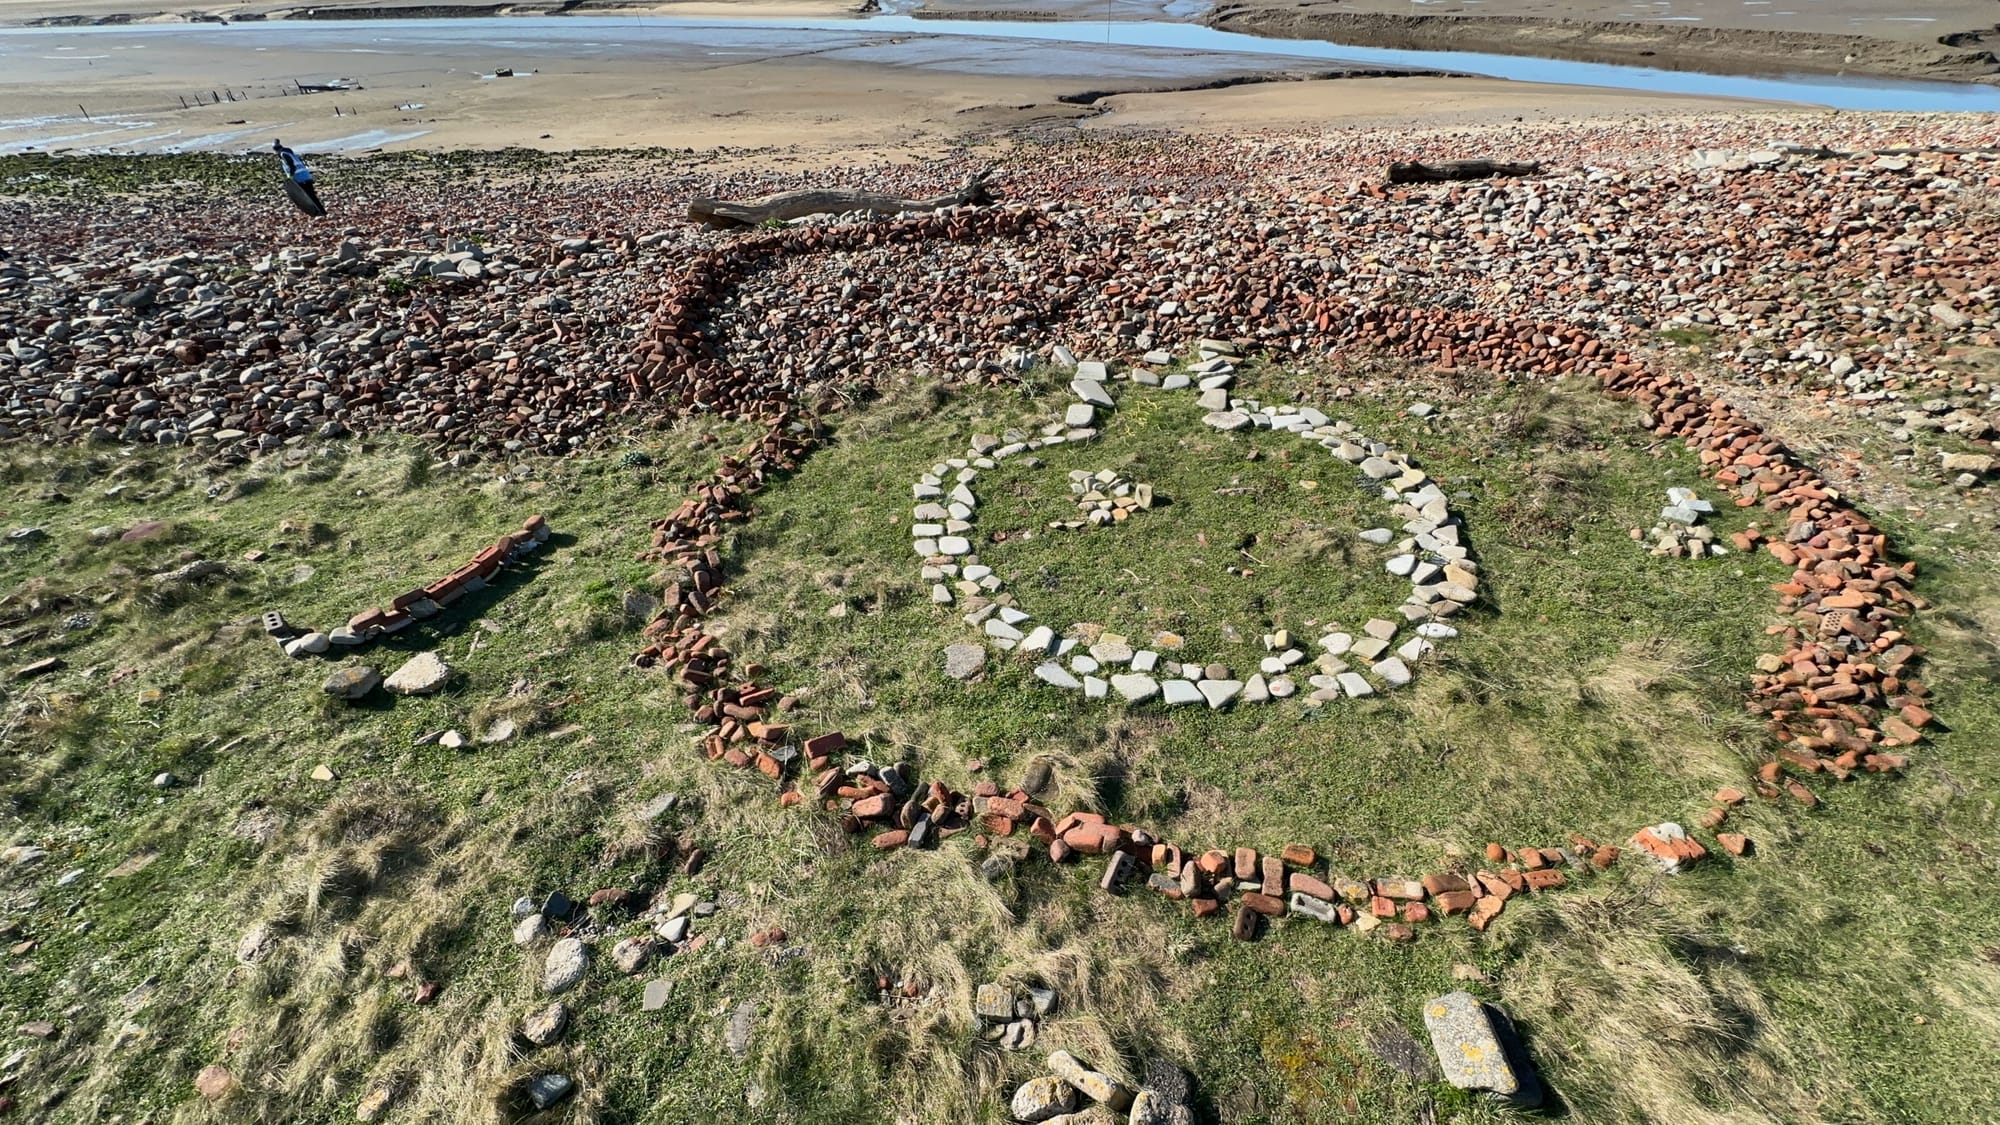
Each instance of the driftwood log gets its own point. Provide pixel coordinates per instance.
(1414, 173)
(788, 205)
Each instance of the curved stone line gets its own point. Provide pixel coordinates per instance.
(1823, 695)
(1443, 576)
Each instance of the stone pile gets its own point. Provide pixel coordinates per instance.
(1680, 533)
(1105, 497)
(1069, 1084)
(1009, 1018)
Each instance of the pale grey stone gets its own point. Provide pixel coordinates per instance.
(1393, 672)
(1178, 691)
(565, 966)
(422, 674)
(1352, 685)
(1467, 1047)
(1091, 391)
(1219, 692)
(1135, 688)
(1057, 676)
(545, 1026)
(1042, 1098)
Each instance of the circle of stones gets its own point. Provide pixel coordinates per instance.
(1430, 554)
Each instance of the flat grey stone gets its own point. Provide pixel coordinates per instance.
(1393, 672)
(1135, 688)
(1145, 660)
(1000, 629)
(1215, 400)
(1057, 676)
(1379, 469)
(1380, 536)
(1094, 688)
(1353, 686)
(1467, 1047)
(1177, 691)
(1079, 414)
(655, 998)
(546, 1090)
(1227, 420)
(1219, 692)
(352, 683)
(1092, 370)
(1282, 687)
(1038, 639)
(1402, 565)
(954, 545)
(1176, 382)
(736, 1034)
(1090, 391)
(1255, 690)
(422, 674)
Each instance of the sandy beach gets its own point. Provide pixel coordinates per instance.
(597, 84)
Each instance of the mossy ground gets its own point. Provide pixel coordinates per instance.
(1847, 972)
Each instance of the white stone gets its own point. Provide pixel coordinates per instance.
(1056, 675)
(1135, 688)
(1351, 684)
(953, 545)
(1393, 672)
(1176, 692)
(1219, 692)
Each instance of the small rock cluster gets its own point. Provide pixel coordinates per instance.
(1105, 497)
(1054, 1098)
(1009, 1018)
(1680, 533)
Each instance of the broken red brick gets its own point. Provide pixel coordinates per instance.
(1416, 912)
(1382, 907)
(894, 838)
(1546, 880)
(1734, 843)
(1485, 910)
(1714, 816)
(1729, 795)
(1604, 857)
(1444, 883)
(1456, 902)
(1203, 907)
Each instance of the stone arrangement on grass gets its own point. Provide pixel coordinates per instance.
(1429, 551)
(407, 609)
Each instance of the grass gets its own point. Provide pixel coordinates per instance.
(1843, 974)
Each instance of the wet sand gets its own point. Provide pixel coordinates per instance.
(851, 93)
(1941, 39)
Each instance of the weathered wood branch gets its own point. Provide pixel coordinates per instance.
(1415, 173)
(788, 205)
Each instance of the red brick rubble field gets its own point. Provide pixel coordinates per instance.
(1846, 262)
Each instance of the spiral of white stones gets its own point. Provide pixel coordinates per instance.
(1429, 553)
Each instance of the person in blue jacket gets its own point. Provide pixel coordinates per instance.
(299, 181)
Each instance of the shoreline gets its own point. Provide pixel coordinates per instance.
(1713, 50)
(1954, 56)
